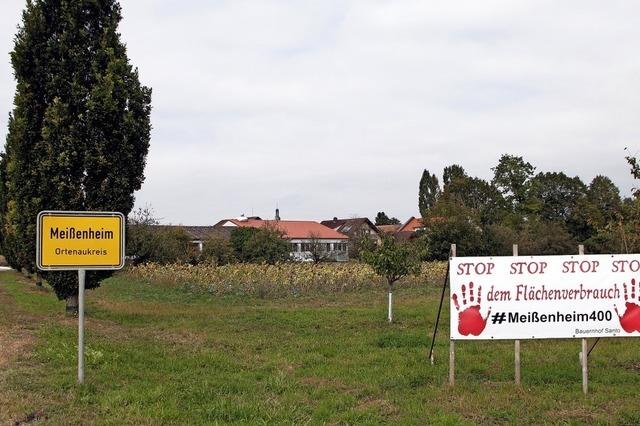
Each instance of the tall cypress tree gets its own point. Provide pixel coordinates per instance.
(79, 132)
(428, 192)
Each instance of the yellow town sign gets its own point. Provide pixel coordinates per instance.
(80, 240)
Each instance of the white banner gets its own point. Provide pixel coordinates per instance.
(543, 297)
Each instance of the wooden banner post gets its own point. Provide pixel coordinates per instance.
(452, 343)
(517, 342)
(584, 356)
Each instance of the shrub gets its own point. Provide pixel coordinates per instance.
(217, 251)
(499, 240)
(239, 237)
(459, 230)
(261, 245)
(158, 244)
(544, 238)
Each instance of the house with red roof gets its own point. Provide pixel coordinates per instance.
(410, 228)
(354, 228)
(357, 229)
(306, 237)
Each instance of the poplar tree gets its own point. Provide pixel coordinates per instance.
(79, 132)
(428, 192)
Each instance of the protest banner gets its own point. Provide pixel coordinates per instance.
(543, 297)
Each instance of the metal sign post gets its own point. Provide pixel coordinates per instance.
(80, 241)
(81, 276)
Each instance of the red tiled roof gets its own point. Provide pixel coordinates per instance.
(412, 225)
(292, 229)
(408, 230)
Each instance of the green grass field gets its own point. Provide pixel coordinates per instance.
(159, 355)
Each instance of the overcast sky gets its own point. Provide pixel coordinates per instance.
(333, 108)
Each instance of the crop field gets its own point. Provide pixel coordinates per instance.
(162, 352)
(289, 279)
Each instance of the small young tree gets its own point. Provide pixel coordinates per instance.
(318, 249)
(393, 261)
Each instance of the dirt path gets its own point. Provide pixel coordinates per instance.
(13, 342)
(16, 339)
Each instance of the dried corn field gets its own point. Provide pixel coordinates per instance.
(281, 280)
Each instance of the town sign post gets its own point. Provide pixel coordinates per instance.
(70, 241)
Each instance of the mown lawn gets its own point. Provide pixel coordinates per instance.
(157, 355)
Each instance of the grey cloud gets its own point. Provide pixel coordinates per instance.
(330, 108)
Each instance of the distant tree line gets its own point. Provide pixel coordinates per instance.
(544, 213)
(383, 219)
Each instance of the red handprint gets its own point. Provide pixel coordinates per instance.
(630, 321)
(469, 320)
